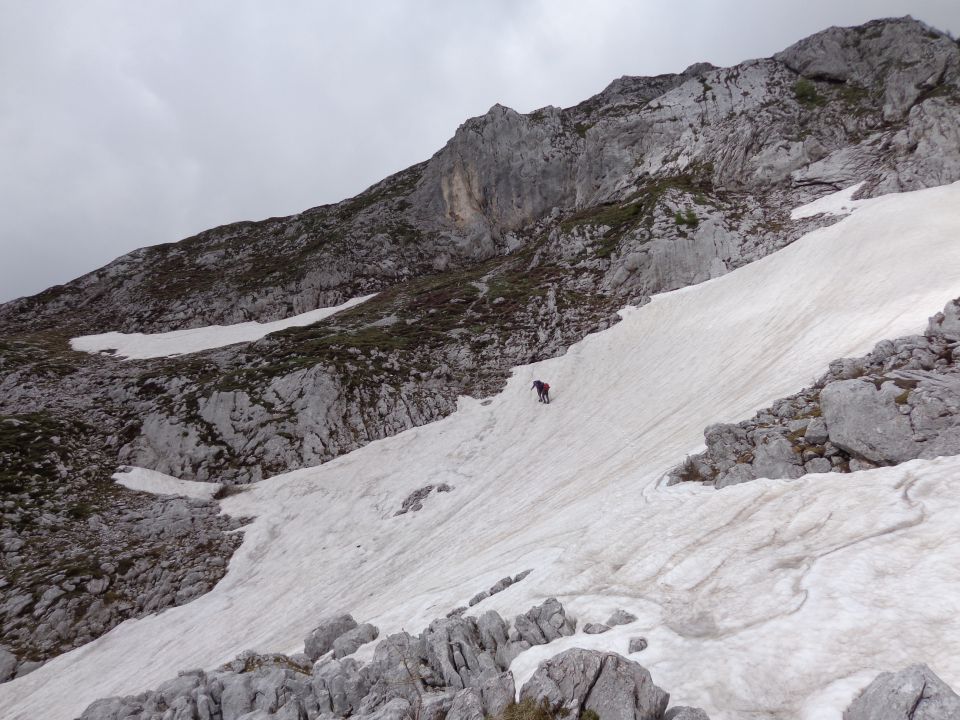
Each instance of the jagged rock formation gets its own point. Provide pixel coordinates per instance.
(898, 403)
(454, 666)
(518, 238)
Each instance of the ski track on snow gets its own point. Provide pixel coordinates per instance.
(770, 598)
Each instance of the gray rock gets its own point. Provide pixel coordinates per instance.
(595, 628)
(610, 685)
(493, 632)
(816, 433)
(395, 709)
(236, 698)
(8, 664)
(775, 457)
(863, 420)
(350, 641)
(621, 617)
(466, 705)
(914, 693)
(497, 691)
(339, 686)
(946, 323)
(818, 465)
(682, 712)
(739, 473)
(321, 639)
(454, 651)
(479, 597)
(637, 644)
(544, 623)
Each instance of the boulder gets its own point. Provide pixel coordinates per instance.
(544, 623)
(637, 644)
(612, 686)
(816, 433)
(620, 617)
(914, 693)
(350, 641)
(865, 421)
(321, 639)
(595, 628)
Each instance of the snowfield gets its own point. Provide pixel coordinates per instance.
(139, 346)
(769, 599)
(151, 481)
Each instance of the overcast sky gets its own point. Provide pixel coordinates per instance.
(132, 123)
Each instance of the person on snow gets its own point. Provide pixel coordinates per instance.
(543, 391)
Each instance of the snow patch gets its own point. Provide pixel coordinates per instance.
(151, 481)
(838, 203)
(140, 346)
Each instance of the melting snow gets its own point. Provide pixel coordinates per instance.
(772, 598)
(157, 483)
(139, 346)
(838, 203)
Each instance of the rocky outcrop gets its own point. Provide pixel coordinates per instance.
(457, 667)
(914, 693)
(498, 587)
(544, 623)
(414, 501)
(606, 683)
(79, 553)
(900, 402)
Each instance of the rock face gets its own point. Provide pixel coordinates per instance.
(914, 693)
(898, 403)
(519, 237)
(612, 686)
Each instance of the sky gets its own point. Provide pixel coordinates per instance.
(132, 123)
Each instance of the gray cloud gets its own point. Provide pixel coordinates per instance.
(128, 124)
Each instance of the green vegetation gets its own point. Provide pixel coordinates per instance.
(529, 709)
(687, 218)
(806, 93)
(581, 128)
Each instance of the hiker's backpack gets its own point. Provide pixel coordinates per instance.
(546, 387)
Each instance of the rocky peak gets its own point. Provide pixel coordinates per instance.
(903, 58)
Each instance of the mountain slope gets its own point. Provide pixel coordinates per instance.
(720, 580)
(521, 236)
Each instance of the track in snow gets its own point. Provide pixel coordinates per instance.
(776, 597)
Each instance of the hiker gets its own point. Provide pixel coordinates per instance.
(543, 390)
